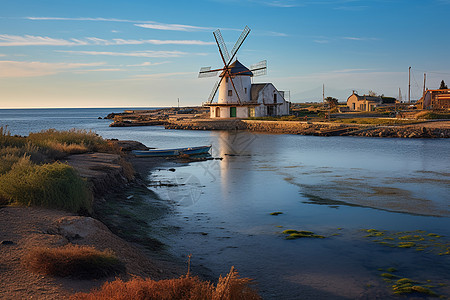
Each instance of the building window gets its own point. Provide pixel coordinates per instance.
(226, 79)
(245, 90)
(274, 98)
(230, 93)
(353, 106)
(251, 111)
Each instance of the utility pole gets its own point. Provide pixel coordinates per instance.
(424, 81)
(409, 85)
(178, 103)
(323, 92)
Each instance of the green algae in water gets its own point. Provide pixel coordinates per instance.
(276, 213)
(297, 234)
(419, 240)
(406, 286)
(388, 275)
(406, 244)
(391, 270)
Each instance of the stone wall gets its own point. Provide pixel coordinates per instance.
(310, 128)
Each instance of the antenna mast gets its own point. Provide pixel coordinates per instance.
(409, 85)
(323, 92)
(424, 81)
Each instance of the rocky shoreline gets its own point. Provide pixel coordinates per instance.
(420, 130)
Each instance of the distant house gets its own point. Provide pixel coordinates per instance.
(367, 103)
(435, 99)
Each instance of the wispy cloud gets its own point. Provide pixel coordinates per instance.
(282, 3)
(143, 24)
(359, 38)
(148, 53)
(100, 70)
(149, 64)
(35, 68)
(30, 40)
(173, 27)
(326, 40)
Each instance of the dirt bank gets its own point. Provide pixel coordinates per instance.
(22, 228)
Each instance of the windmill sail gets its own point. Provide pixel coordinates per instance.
(207, 72)
(259, 69)
(239, 42)
(214, 91)
(222, 47)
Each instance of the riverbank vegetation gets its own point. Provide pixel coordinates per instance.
(31, 171)
(229, 287)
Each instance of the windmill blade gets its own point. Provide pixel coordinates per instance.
(259, 69)
(214, 90)
(234, 87)
(222, 47)
(238, 44)
(207, 72)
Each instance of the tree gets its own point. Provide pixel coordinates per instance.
(332, 102)
(372, 93)
(443, 86)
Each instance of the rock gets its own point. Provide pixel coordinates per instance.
(75, 227)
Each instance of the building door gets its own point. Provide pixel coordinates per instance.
(232, 112)
(217, 112)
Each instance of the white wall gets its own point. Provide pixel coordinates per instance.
(241, 82)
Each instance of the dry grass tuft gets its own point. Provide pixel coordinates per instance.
(230, 287)
(76, 261)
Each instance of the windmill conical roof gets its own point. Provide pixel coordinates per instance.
(237, 68)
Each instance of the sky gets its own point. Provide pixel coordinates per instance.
(145, 53)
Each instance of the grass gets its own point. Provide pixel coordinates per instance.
(55, 185)
(83, 262)
(373, 121)
(186, 287)
(432, 115)
(30, 173)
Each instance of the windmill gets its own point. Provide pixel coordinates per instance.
(230, 70)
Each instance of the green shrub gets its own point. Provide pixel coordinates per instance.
(55, 185)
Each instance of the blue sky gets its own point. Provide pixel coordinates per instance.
(95, 53)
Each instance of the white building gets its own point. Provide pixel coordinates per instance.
(254, 100)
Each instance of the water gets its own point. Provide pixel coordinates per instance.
(333, 186)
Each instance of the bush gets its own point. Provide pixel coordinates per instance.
(76, 261)
(186, 287)
(55, 185)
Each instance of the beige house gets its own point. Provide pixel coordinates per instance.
(367, 103)
(435, 99)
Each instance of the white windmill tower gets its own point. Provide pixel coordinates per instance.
(235, 83)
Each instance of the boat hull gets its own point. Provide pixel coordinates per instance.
(172, 152)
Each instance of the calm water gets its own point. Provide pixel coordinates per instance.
(333, 186)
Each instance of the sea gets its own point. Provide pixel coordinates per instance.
(374, 210)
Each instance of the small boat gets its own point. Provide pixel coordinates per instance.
(172, 152)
